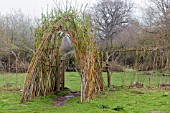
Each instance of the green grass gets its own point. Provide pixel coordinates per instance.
(150, 100)
(11, 81)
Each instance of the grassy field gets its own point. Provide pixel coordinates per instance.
(113, 100)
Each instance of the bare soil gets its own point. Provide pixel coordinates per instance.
(137, 92)
(59, 101)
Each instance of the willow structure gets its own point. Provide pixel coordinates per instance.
(144, 59)
(42, 76)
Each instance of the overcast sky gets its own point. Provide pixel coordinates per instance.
(33, 8)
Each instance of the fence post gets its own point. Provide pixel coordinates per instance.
(62, 74)
(108, 70)
(136, 60)
(58, 72)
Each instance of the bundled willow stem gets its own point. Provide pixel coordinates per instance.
(37, 81)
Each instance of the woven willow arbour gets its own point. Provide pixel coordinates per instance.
(41, 80)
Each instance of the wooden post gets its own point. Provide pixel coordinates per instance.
(62, 74)
(162, 60)
(101, 59)
(108, 70)
(108, 75)
(9, 64)
(16, 70)
(167, 64)
(136, 60)
(154, 60)
(58, 73)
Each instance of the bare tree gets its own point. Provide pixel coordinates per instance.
(110, 17)
(16, 35)
(157, 21)
(19, 27)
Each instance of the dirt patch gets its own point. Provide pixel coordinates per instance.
(23, 105)
(59, 101)
(165, 74)
(137, 92)
(165, 86)
(137, 85)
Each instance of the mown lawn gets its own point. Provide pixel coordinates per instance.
(115, 98)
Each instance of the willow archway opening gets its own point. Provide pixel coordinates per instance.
(41, 80)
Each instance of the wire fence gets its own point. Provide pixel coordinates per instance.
(143, 68)
(15, 81)
(149, 67)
